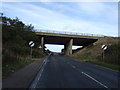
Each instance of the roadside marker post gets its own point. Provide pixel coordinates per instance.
(104, 47)
(31, 44)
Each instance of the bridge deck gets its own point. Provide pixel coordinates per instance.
(62, 39)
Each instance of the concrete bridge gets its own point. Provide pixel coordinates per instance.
(66, 39)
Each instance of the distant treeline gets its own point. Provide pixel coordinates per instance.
(15, 38)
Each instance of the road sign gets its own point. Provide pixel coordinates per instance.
(40, 47)
(31, 43)
(104, 47)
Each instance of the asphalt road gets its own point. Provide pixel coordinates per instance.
(61, 72)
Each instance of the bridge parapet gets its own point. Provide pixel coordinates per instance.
(70, 33)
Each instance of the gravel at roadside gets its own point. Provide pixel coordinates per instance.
(23, 77)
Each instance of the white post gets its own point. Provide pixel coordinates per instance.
(31, 43)
(103, 55)
(104, 47)
(31, 52)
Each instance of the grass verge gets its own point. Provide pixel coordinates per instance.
(6, 70)
(94, 61)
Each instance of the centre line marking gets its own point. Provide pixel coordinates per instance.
(95, 80)
(73, 66)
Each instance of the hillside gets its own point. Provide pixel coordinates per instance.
(94, 51)
(15, 49)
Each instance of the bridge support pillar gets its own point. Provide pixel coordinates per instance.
(68, 47)
(42, 43)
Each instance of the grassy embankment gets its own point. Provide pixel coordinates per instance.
(9, 68)
(16, 51)
(14, 66)
(93, 53)
(94, 61)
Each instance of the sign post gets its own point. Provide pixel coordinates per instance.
(104, 47)
(31, 44)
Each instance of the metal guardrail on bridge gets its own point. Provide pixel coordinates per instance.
(70, 33)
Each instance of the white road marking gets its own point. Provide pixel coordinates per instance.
(78, 70)
(38, 79)
(44, 60)
(73, 66)
(35, 82)
(34, 86)
(41, 73)
(95, 80)
(68, 63)
(41, 70)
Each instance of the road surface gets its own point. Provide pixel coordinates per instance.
(61, 72)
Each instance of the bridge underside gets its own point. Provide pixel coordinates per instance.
(66, 41)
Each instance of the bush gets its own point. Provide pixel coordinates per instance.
(37, 53)
(15, 38)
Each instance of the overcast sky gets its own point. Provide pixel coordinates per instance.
(82, 17)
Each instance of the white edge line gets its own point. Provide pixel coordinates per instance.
(39, 73)
(94, 79)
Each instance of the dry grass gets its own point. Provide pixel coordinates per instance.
(94, 50)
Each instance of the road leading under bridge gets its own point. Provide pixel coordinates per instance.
(61, 72)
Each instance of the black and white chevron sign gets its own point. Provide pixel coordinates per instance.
(31, 43)
(104, 47)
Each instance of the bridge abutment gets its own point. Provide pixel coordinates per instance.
(68, 47)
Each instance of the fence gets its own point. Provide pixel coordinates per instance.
(70, 33)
